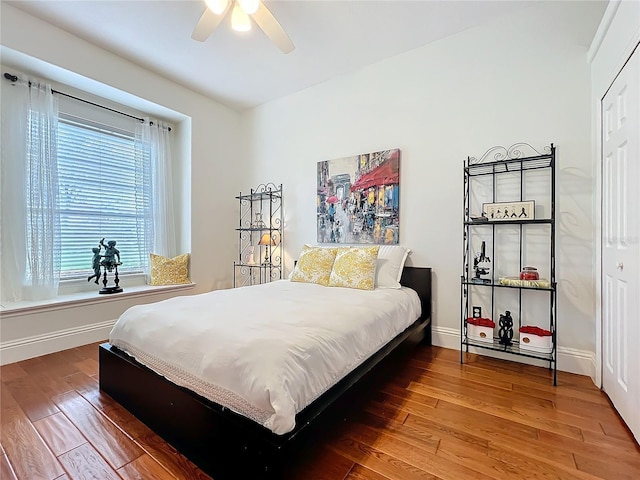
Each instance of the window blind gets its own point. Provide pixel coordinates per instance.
(104, 193)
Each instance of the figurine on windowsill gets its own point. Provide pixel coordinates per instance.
(110, 262)
(506, 329)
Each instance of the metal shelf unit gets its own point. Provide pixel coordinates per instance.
(260, 239)
(506, 174)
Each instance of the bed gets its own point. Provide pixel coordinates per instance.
(210, 422)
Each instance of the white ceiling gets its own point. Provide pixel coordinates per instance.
(243, 70)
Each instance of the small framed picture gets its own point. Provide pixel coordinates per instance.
(503, 211)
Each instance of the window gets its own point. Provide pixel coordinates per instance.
(104, 191)
(74, 173)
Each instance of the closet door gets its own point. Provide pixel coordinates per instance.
(621, 243)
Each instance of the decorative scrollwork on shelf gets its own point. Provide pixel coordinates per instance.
(266, 188)
(514, 152)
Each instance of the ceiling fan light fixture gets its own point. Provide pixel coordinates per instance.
(249, 6)
(240, 21)
(217, 6)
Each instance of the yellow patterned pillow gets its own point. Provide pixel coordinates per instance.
(355, 267)
(169, 271)
(314, 265)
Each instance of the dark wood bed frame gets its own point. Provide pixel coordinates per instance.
(228, 445)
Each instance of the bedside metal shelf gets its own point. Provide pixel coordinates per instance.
(260, 242)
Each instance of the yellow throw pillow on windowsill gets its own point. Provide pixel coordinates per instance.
(169, 271)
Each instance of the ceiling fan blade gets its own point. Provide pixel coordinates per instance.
(208, 22)
(272, 29)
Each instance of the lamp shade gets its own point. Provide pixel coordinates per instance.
(266, 239)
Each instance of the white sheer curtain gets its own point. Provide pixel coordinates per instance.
(29, 212)
(153, 140)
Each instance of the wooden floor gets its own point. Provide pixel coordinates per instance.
(430, 419)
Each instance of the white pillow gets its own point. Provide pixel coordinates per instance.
(389, 267)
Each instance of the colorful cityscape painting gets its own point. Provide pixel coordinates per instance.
(358, 199)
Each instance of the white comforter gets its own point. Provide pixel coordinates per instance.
(265, 351)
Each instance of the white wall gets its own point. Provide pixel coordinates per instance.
(617, 36)
(520, 79)
(210, 148)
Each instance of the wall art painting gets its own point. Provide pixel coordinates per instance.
(358, 199)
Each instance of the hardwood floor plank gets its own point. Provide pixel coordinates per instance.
(418, 457)
(31, 399)
(594, 448)
(600, 438)
(455, 425)
(484, 422)
(319, 464)
(454, 383)
(143, 468)
(90, 351)
(6, 470)
(88, 366)
(615, 427)
(59, 433)
(122, 417)
(116, 447)
(602, 468)
(11, 371)
(45, 376)
(401, 431)
(487, 407)
(85, 463)
(170, 459)
(29, 456)
(379, 462)
(462, 372)
(358, 472)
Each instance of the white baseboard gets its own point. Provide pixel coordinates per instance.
(581, 362)
(29, 347)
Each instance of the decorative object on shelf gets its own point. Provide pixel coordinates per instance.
(535, 339)
(520, 229)
(517, 282)
(529, 273)
(481, 266)
(506, 329)
(480, 329)
(358, 199)
(250, 259)
(260, 227)
(481, 218)
(503, 211)
(258, 222)
(269, 241)
(109, 263)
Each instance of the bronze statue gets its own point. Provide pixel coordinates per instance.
(110, 254)
(96, 264)
(109, 261)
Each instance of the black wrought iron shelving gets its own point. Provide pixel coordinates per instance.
(259, 230)
(517, 162)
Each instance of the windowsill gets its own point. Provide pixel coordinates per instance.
(85, 298)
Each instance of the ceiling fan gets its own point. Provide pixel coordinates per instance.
(241, 11)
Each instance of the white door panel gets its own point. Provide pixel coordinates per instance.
(621, 243)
